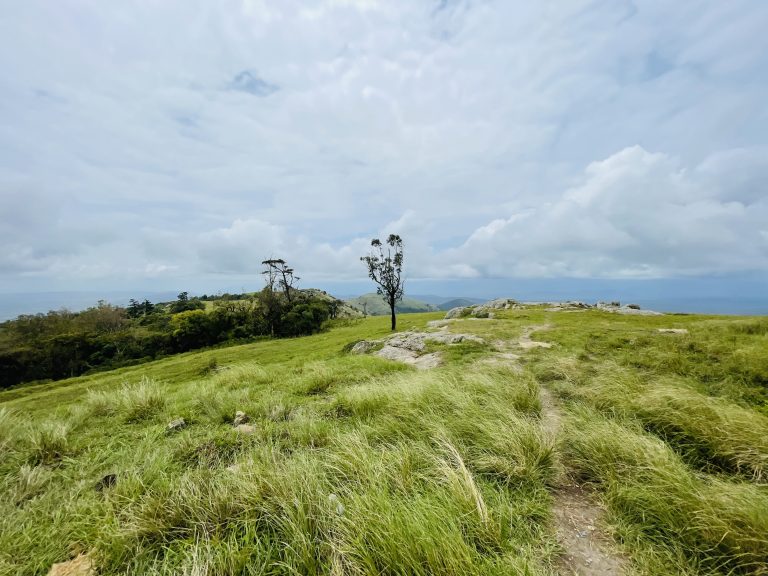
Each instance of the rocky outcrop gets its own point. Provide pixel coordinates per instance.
(613, 307)
(365, 346)
(410, 347)
(484, 310)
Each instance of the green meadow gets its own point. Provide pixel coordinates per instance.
(356, 465)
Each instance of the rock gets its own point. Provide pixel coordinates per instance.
(427, 361)
(406, 356)
(500, 304)
(364, 346)
(409, 340)
(335, 502)
(449, 338)
(673, 331)
(481, 312)
(454, 313)
(82, 565)
(175, 425)
(397, 354)
(438, 323)
(240, 418)
(245, 429)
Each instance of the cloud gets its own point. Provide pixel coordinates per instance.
(179, 142)
(634, 214)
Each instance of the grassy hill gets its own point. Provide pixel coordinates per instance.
(656, 441)
(374, 305)
(458, 303)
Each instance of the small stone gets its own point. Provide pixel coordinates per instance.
(82, 565)
(175, 425)
(334, 500)
(240, 418)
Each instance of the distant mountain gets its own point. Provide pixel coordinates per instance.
(374, 305)
(459, 302)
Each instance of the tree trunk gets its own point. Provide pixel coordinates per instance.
(394, 320)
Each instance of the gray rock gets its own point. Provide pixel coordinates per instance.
(449, 338)
(500, 304)
(408, 340)
(398, 354)
(175, 425)
(454, 313)
(240, 418)
(364, 346)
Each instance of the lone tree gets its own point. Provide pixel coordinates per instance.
(386, 270)
(278, 272)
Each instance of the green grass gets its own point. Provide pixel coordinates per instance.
(358, 465)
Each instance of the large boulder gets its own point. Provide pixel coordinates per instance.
(454, 313)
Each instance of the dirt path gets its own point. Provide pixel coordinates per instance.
(587, 548)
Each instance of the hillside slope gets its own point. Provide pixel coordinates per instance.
(458, 303)
(374, 305)
(543, 442)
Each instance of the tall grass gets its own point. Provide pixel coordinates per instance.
(720, 525)
(134, 403)
(712, 433)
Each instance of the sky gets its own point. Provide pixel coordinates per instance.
(175, 144)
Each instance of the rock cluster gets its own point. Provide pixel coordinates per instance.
(409, 347)
(484, 310)
(614, 307)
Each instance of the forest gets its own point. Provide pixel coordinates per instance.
(62, 344)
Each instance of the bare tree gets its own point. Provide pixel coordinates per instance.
(278, 272)
(386, 270)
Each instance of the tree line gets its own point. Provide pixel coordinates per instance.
(62, 344)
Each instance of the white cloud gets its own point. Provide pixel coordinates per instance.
(635, 214)
(499, 138)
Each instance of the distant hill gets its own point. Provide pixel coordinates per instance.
(438, 300)
(459, 302)
(374, 305)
